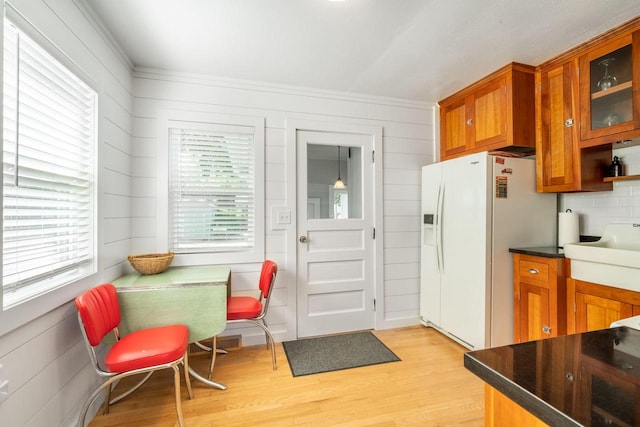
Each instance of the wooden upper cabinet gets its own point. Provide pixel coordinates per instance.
(609, 78)
(453, 129)
(496, 113)
(489, 115)
(560, 163)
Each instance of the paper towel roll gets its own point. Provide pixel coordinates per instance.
(568, 228)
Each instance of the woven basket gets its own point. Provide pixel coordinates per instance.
(151, 263)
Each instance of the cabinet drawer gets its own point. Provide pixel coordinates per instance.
(534, 271)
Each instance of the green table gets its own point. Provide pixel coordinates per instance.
(193, 296)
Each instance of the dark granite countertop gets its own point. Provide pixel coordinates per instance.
(587, 379)
(550, 251)
(542, 251)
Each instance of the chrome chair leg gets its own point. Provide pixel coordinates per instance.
(207, 348)
(270, 341)
(87, 403)
(107, 400)
(187, 378)
(202, 346)
(128, 392)
(176, 386)
(266, 336)
(213, 355)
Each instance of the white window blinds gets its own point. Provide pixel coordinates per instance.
(212, 194)
(48, 171)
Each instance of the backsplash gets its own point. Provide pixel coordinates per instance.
(601, 208)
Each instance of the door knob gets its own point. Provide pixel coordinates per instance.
(303, 239)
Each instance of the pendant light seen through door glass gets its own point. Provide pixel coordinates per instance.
(339, 185)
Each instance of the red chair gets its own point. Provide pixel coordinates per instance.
(253, 310)
(143, 351)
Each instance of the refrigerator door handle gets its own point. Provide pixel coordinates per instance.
(439, 229)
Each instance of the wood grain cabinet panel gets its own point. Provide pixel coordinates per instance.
(489, 114)
(561, 165)
(593, 306)
(539, 297)
(501, 411)
(453, 128)
(609, 82)
(495, 113)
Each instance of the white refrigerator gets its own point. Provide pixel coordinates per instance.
(474, 208)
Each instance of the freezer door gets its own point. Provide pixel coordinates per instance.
(466, 248)
(430, 232)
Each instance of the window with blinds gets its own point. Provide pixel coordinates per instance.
(212, 189)
(49, 135)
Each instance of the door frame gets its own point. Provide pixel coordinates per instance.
(292, 127)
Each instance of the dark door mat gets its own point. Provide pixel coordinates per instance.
(335, 352)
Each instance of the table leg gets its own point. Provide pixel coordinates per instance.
(206, 381)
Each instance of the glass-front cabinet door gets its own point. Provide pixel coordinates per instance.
(609, 76)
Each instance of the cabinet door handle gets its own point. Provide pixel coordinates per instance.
(568, 123)
(533, 271)
(469, 122)
(546, 329)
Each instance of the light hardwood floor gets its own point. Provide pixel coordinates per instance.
(429, 387)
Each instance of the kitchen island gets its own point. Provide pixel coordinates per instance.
(586, 379)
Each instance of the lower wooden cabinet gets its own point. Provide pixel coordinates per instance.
(500, 411)
(593, 306)
(539, 297)
(606, 393)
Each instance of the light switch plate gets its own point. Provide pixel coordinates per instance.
(284, 217)
(280, 217)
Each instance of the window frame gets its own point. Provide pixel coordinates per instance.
(176, 118)
(30, 309)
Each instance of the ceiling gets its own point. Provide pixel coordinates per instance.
(421, 50)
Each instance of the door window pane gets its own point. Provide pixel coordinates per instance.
(326, 164)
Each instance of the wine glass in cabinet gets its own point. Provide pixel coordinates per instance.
(609, 76)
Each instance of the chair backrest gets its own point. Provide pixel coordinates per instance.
(267, 277)
(99, 311)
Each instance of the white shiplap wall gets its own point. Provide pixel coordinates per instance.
(408, 141)
(45, 359)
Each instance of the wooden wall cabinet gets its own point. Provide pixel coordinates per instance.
(581, 110)
(561, 165)
(609, 86)
(496, 113)
(539, 297)
(592, 306)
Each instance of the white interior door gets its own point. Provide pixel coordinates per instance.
(335, 279)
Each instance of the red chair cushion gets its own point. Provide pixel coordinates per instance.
(267, 273)
(99, 310)
(147, 347)
(243, 308)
